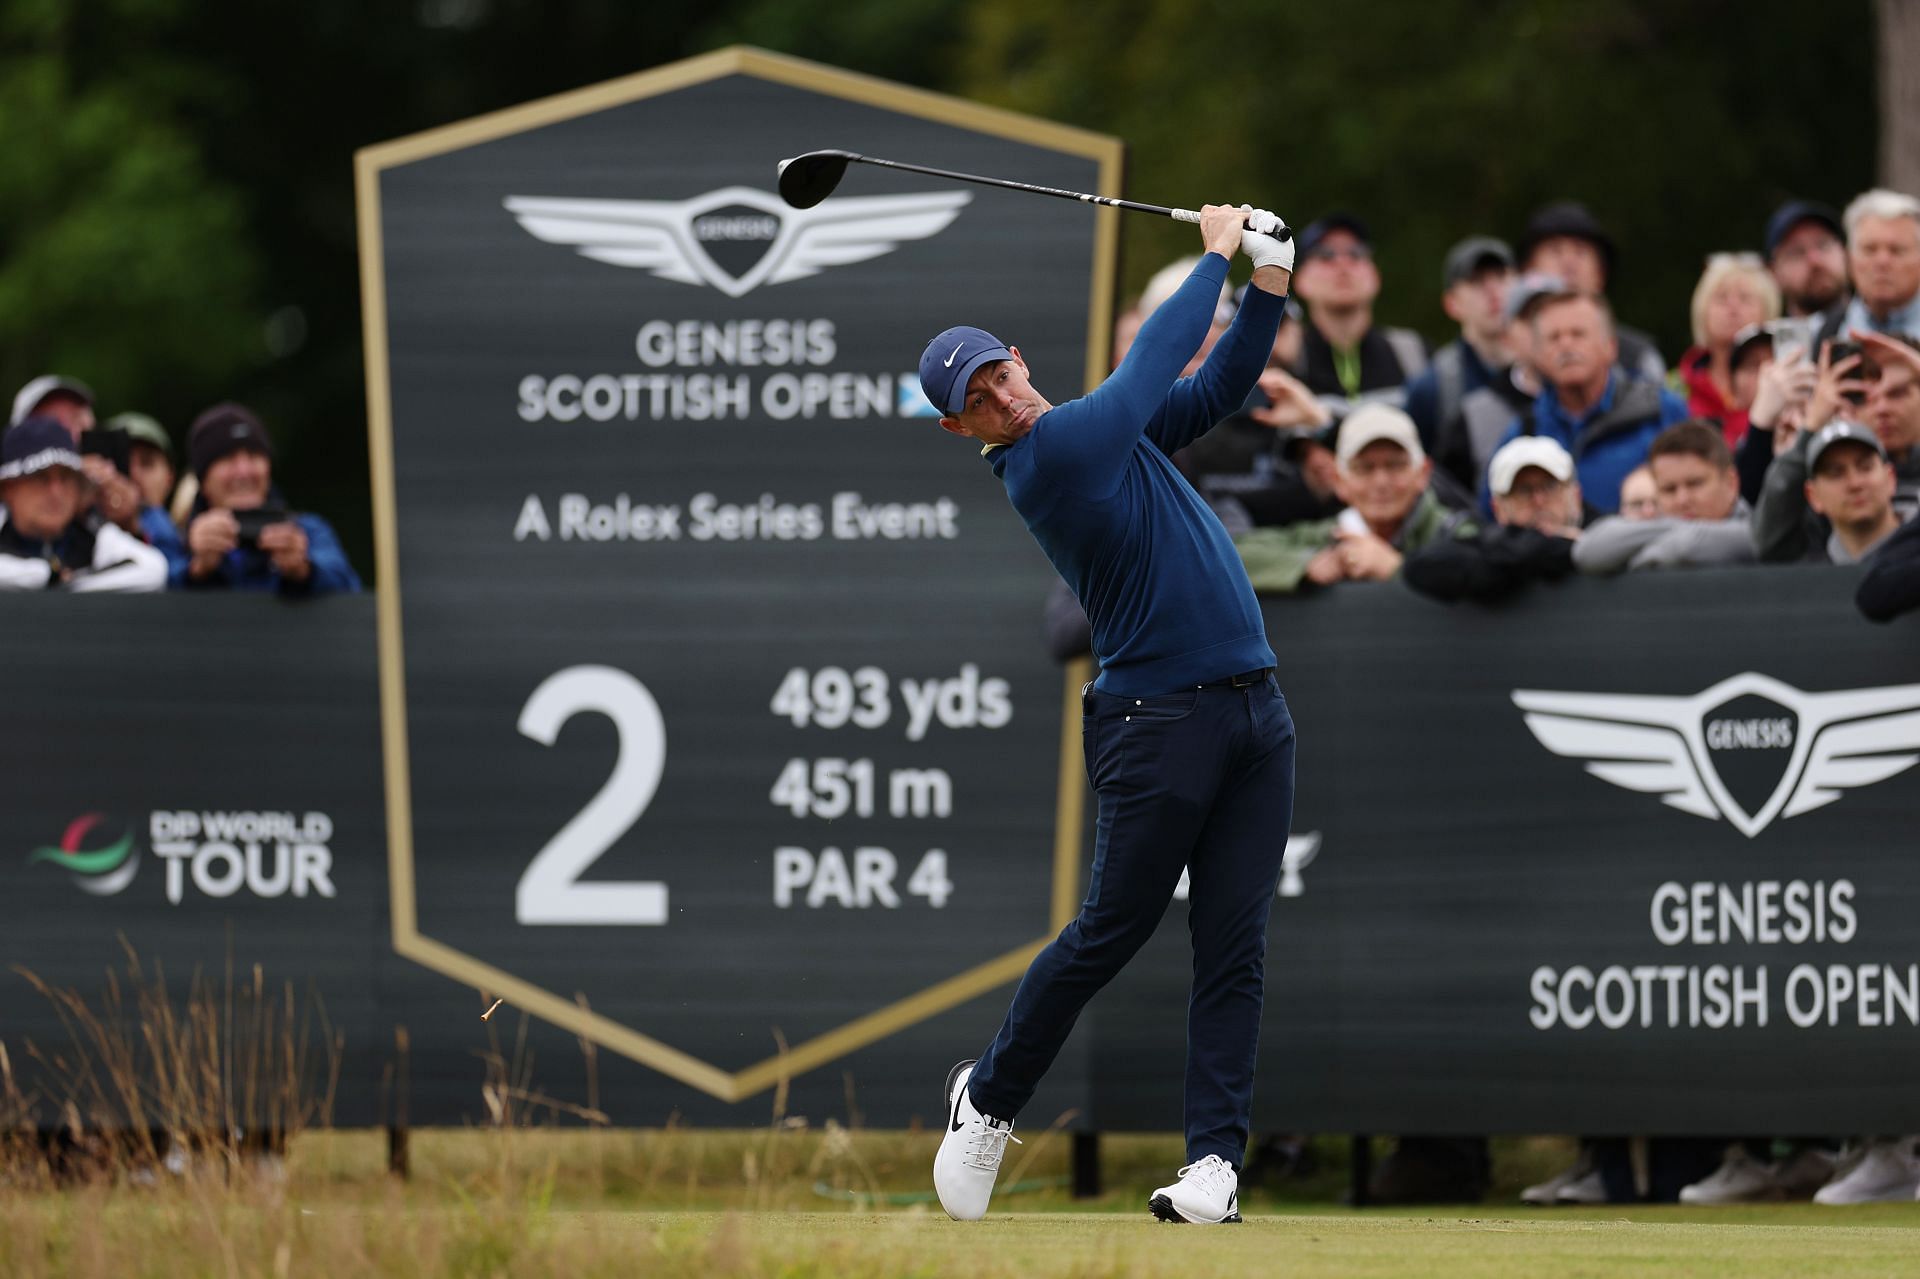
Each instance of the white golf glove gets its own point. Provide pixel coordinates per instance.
(1260, 243)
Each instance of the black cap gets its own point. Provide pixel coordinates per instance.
(1472, 256)
(224, 429)
(1792, 214)
(1748, 339)
(34, 444)
(1320, 228)
(1566, 217)
(1841, 431)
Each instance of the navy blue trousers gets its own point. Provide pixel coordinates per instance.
(1201, 779)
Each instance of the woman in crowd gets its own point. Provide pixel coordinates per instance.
(1735, 291)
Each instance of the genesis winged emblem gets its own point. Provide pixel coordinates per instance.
(1675, 747)
(696, 241)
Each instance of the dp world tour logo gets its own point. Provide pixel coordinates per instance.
(102, 871)
(736, 239)
(1750, 749)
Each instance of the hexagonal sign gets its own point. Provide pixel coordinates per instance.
(711, 675)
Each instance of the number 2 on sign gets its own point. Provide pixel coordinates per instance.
(550, 891)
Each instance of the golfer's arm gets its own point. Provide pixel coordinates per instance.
(1088, 440)
(1223, 383)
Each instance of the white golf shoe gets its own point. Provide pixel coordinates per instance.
(1890, 1171)
(1207, 1194)
(1546, 1193)
(1739, 1179)
(969, 1160)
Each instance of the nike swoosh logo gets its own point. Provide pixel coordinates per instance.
(956, 351)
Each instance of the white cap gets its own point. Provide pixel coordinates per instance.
(1167, 281)
(1522, 451)
(29, 397)
(1371, 423)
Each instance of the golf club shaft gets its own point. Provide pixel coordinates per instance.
(1107, 201)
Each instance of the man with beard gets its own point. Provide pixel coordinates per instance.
(1804, 251)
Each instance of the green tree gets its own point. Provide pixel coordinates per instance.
(125, 263)
(1681, 126)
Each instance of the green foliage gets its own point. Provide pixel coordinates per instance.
(125, 262)
(1681, 126)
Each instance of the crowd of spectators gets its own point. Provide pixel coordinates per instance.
(103, 507)
(1549, 439)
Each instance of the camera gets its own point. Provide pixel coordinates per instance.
(251, 522)
(114, 445)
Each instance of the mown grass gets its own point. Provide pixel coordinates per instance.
(794, 1202)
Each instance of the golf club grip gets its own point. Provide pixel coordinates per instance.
(1284, 234)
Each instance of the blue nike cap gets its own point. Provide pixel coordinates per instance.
(950, 360)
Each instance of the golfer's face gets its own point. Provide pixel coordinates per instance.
(1001, 404)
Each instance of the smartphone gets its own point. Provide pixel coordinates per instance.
(1792, 337)
(1865, 371)
(251, 522)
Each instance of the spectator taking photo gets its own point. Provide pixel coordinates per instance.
(240, 534)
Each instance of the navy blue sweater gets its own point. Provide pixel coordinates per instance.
(1149, 561)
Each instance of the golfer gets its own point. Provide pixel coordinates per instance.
(1187, 739)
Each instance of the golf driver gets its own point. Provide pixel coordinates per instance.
(805, 180)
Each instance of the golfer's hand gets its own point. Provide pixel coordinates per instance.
(1220, 228)
(1262, 245)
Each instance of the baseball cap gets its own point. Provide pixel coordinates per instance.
(1371, 423)
(40, 388)
(224, 429)
(1566, 217)
(1320, 228)
(1529, 289)
(34, 445)
(1473, 254)
(1749, 339)
(1517, 454)
(1792, 214)
(950, 360)
(142, 430)
(1841, 431)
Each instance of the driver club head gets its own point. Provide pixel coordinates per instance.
(805, 180)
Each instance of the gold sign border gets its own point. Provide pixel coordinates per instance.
(408, 940)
